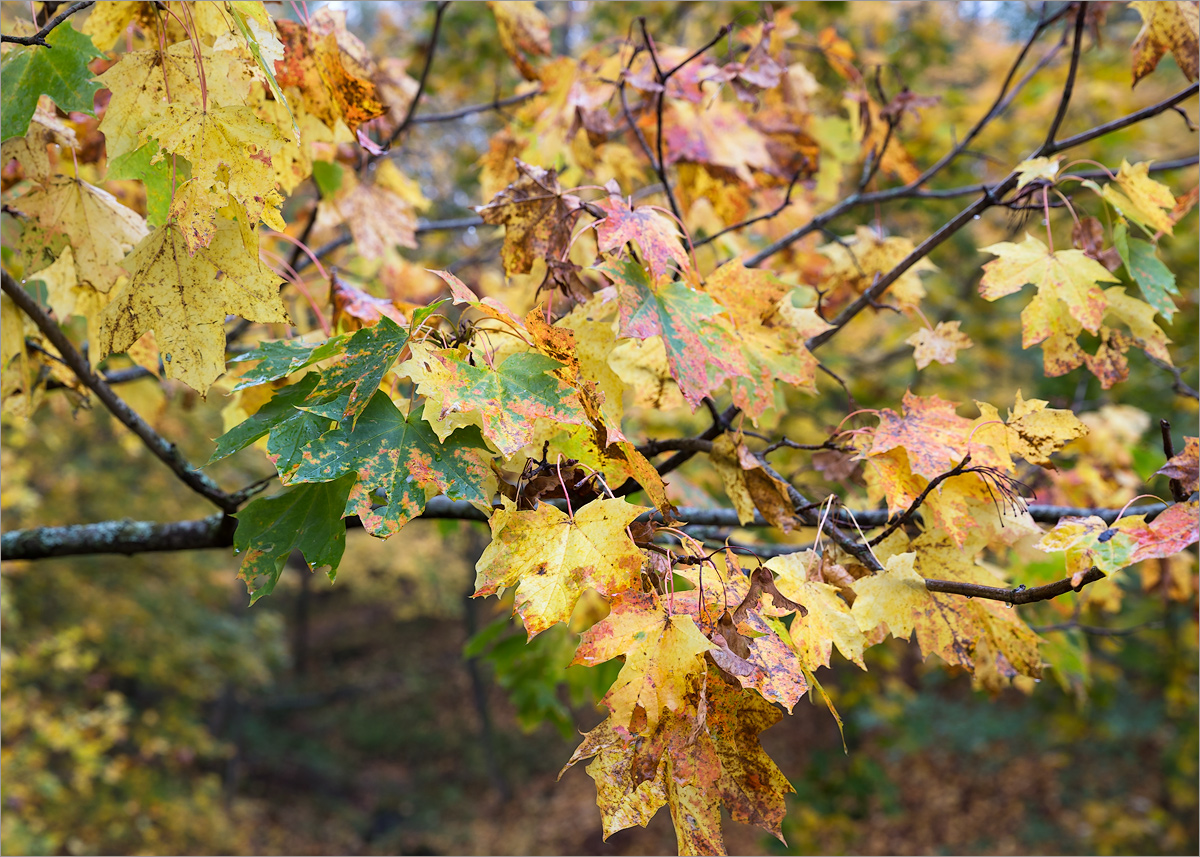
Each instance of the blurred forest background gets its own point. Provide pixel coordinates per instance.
(146, 709)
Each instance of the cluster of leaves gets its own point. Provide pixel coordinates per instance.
(520, 417)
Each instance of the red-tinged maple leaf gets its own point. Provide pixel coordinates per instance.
(357, 308)
(1088, 542)
(488, 306)
(716, 134)
(504, 401)
(932, 434)
(1168, 534)
(663, 651)
(701, 354)
(692, 762)
(657, 238)
(403, 456)
(552, 557)
(772, 349)
(1184, 466)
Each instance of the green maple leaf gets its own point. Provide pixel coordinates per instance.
(279, 359)
(157, 178)
(1141, 261)
(701, 355)
(59, 71)
(505, 401)
(291, 427)
(307, 518)
(368, 355)
(402, 455)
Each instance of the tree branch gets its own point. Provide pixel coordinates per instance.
(39, 38)
(164, 451)
(130, 537)
(1020, 595)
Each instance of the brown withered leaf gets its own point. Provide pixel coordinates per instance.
(536, 215)
(1088, 235)
(1166, 27)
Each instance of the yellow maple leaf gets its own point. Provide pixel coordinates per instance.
(859, 260)
(1167, 26)
(949, 626)
(379, 218)
(828, 622)
(99, 228)
(230, 150)
(1035, 431)
(1033, 169)
(551, 557)
(663, 652)
(941, 344)
(184, 299)
(1067, 275)
(140, 80)
(1142, 199)
(523, 30)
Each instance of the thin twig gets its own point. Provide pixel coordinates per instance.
(494, 104)
(164, 451)
(907, 514)
(660, 164)
(412, 105)
(1064, 101)
(39, 38)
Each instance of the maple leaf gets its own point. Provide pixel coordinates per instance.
(1033, 169)
(1139, 318)
(156, 177)
(140, 80)
(932, 434)
(699, 352)
(380, 214)
(859, 260)
(1067, 275)
(1155, 279)
(504, 401)
(1034, 431)
(290, 428)
(275, 360)
(1171, 532)
(537, 218)
(692, 763)
(365, 358)
(828, 622)
(941, 344)
(403, 456)
(656, 237)
(1087, 542)
(750, 487)
(307, 518)
(770, 342)
(716, 134)
(946, 625)
(1173, 27)
(663, 653)
(551, 557)
(1184, 466)
(356, 308)
(1143, 200)
(99, 229)
(228, 148)
(59, 71)
(523, 30)
(184, 299)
